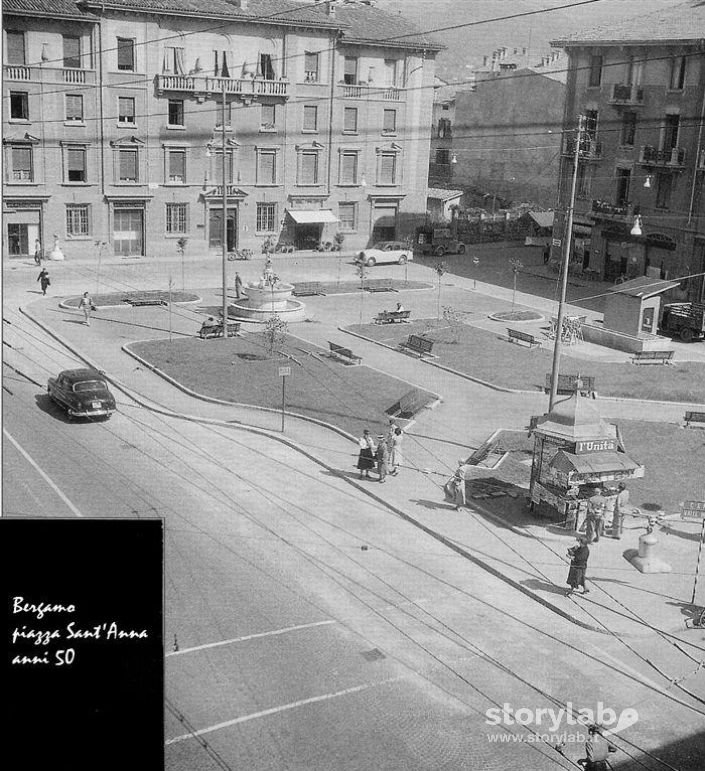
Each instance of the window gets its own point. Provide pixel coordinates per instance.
(595, 74)
(389, 122)
(77, 222)
(308, 167)
(268, 117)
(76, 164)
(390, 72)
(221, 69)
(348, 167)
(126, 110)
(15, 47)
(387, 168)
(72, 51)
(265, 68)
(176, 165)
(176, 112)
(350, 70)
(628, 133)
(22, 164)
(19, 105)
(125, 54)
(678, 65)
(310, 67)
(177, 218)
(444, 128)
(310, 117)
(347, 214)
(664, 188)
(584, 181)
(127, 165)
(266, 217)
(173, 61)
(266, 167)
(590, 125)
(219, 115)
(442, 156)
(671, 128)
(74, 108)
(350, 120)
(622, 189)
(217, 166)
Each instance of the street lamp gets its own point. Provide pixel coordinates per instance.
(636, 227)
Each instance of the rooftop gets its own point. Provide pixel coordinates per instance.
(644, 286)
(444, 195)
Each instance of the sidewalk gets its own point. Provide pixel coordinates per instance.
(493, 533)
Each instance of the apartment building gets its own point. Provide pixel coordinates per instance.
(124, 119)
(640, 86)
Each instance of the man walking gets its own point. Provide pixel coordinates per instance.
(37, 251)
(238, 286)
(382, 458)
(597, 750)
(578, 565)
(596, 516)
(620, 509)
(43, 279)
(86, 305)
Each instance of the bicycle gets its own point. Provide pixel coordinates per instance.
(240, 254)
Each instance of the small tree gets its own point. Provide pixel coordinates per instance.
(517, 265)
(100, 247)
(339, 238)
(181, 249)
(275, 330)
(453, 318)
(440, 269)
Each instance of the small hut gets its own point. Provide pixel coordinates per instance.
(633, 308)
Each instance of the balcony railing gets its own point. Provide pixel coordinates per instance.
(17, 72)
(590, 149)
(49, 74)
(371, 91)
(604, 207)
(624, 93)
(207, 84)
(651, 156)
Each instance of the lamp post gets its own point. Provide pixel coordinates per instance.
(568, 237)
(225, 224)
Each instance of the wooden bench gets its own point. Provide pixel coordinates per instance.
(417, 344)
(379, 285)
(136, 303)
(652, 357)
(566, 385)
(217, 330)
(305, 288)
(524, 337)
(390, 317)
(343, 353)
(694, 419)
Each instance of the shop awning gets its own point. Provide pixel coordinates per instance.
(594, 463)
(309, 216)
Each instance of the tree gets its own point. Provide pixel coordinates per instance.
(275, 330)
(453, 318)
(440, 269)
(517, 265)
(181, 249)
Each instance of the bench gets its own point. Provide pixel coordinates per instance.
(379, 285)
(412, 402)
(217, 330)
(344, 354)
(390, 317)
(525, 337)
(566, 385)
(306, 288)
(696, 418)
(417, 344)
(652, 357)
(139, 303)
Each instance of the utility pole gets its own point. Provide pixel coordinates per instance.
(225, 224)
(567, 238)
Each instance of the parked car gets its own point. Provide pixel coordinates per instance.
(437, 241)
(385, 252)
(83, 393)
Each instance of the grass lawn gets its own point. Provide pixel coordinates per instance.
(121, 298)
(238, 369)
(491, 358)
(346, 287)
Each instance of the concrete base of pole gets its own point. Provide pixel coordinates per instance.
(644, 559)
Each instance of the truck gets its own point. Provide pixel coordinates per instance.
(437, 240)
(685, 320)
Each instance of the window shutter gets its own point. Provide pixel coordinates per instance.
(15, 48)
(310, 117)
(387, 168)
(350, 117)
(309, 168)
(267, 167)
(74, 108)
(177, 165)
(128, 165)
(348, 173)
(76, 159)
(21, 158)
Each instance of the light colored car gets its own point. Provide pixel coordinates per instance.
(385, 252)
(82, 393)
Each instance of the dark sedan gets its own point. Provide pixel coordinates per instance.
(83, 393)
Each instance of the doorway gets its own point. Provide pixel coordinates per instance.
(22, 232)
(128, 232)
(308, 236)
(215, 229)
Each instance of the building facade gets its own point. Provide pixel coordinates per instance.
(125, 118)
(640, 87)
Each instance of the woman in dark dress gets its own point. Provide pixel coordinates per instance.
(366, 459)
(578, 564)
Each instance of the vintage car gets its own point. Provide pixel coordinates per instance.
(385, 252)
(83, 393)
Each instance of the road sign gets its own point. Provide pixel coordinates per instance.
(556, 242)
(475, 260)
(694, 510)
(284, 371)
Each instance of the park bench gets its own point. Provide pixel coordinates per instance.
(652, 357)
(524, 337)
(417, 344)
(694, 419)
(137, 302)
(390, 317)
(306, 288)
(566, 385)
(344, 354)
(379, 285)
(410, 403)
(217, 330)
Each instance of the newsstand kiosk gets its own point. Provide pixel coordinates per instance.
(574, 452)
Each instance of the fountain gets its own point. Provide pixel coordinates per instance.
(267, 296)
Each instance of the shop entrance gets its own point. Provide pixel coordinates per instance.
(384, 226)
(215, 229)
(308, 236)
(128, 232)
(22, 231)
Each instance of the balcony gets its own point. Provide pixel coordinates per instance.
(247, 88)
(590, 149)
(370, 91)
(651, 156)
(623, 93)
(610, 211)
(38, 74)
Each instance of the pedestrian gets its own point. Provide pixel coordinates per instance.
(366, 458)
(455, 487)
(546, 255)
(396, 456)
(620, 509)
(86, 305)
(610, 494)
(238, 286)
(37, 251)
(400, 308)
(597, 750)
(43, 279)
(382, 458)
(595, 521)
(578, 565)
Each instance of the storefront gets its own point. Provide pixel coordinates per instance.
(307, 228)
(23, 226)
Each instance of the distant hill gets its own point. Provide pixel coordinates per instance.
(467, 46)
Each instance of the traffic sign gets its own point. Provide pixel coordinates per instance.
(284, 371)
(475, 260)
(694, 510)
(556, 242)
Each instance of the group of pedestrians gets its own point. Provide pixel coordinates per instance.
(383, 456)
